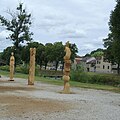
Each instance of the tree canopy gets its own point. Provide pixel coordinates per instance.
(112, 43)
(19, 27)
(50, 52)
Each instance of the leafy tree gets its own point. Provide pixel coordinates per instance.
(6, 54)
(74, 51)
(96, 53)
(58, 53)
(25, 54)
(26, 51)
(19, 27)
(40, 55)
(87, 55)
(98, 50)
(113, 41)
(48, 54)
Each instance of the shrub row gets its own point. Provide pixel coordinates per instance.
(95, 78)
(25, 70)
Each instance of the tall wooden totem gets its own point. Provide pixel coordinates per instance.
(67, 64)
(12, 63)
(32, 66)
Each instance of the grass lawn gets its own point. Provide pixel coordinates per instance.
(60, 82)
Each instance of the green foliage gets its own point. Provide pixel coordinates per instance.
(97, 54)
(98, 50)
(4, 68)
(112, 43)
(50, 72)
(74, 51)
(58, 53)
(19, 27)
(6, 55)
(105, 80)
(26, 51)
(22, 69)
(80, 76)
(40, 54)
(48, 54)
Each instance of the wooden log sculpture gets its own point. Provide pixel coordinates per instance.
(66, 71)
(12, 63)
(32, 66)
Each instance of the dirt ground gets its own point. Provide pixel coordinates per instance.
(14, 105)
(19, 101)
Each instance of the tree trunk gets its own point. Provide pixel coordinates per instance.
(40, 67)
(56, 66)
(45, 66)
(118, 69)
(62, 66)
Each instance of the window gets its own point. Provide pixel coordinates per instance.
(108, 67)
(103, 67)
(98, 62)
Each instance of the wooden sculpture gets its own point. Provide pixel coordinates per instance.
(66, 72)
(32, 66)
(12, 63)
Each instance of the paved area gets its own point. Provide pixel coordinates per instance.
(18, 101)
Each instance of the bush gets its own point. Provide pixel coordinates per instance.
(79, 75)
(106, 79)
(5, 68)
(22, 69)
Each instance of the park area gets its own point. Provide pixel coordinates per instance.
(44, 101)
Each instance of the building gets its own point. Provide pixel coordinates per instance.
(100, 65)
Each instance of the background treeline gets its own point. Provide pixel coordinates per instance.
(50, 52)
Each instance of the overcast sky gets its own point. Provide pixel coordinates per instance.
(83, 22)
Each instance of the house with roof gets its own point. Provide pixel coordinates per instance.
(98, 65)
(92, 64)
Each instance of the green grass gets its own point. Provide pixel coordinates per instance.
(60, 82)
(104, 74)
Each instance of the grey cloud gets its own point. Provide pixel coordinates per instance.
(73, 34)
(69, 19)
(4, 43)
(4, 34)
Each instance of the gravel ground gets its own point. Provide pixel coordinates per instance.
(18, 101)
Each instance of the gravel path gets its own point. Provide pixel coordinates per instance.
(18, 101)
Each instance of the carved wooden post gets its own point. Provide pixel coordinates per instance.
(66, 72)
(32, 66)
(12, 62)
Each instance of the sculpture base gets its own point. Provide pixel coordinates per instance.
(30, 83)
(10, 80)
(66, 89)
(66, 92)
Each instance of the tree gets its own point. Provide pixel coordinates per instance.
(19, 27)
(40, 54)
(74, 51)
(98, 50)
(113, 41)
(97, 53)
(58, 53)
(26, 51)
(6, 55)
